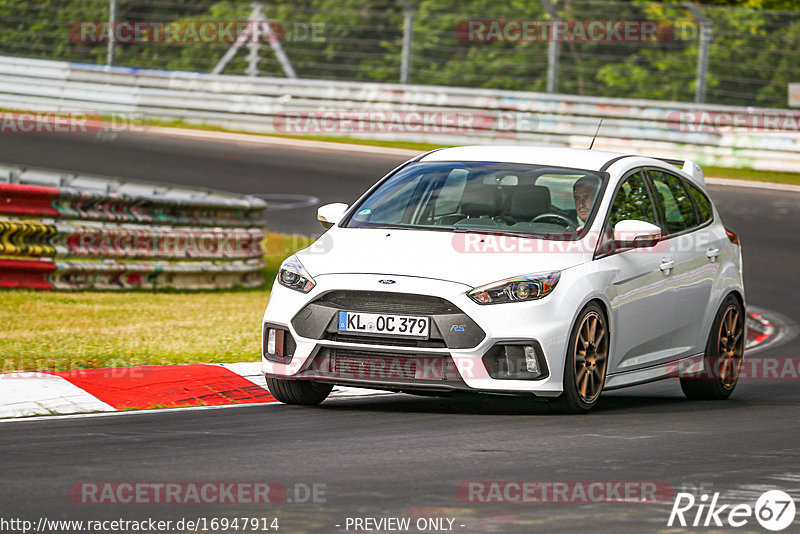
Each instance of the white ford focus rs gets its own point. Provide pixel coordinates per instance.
(557, 273)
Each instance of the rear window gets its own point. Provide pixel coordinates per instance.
(701, 201)
(674, 201)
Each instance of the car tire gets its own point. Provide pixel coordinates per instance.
(299, 392)
(724, 355)
(586, 362)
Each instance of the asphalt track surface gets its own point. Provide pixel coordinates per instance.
(404, 456)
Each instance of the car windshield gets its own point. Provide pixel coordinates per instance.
(485, 197)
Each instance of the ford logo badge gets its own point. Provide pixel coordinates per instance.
(386, 281)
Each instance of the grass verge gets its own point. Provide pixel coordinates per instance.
(42, 331)
(46, 331)
(750, 174)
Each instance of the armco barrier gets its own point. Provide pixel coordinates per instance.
(36, 193)
(27, 200)
(508, 117)
(70, 275)
(108, 234)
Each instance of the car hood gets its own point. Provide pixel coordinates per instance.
(473, 259)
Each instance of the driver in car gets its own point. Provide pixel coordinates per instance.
(584, 190)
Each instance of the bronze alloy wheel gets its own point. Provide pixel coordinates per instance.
(730, 347)
(724, 355)
(591, 356)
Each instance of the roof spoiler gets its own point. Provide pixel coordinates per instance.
(689, 167)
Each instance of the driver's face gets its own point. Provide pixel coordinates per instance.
(584, 198)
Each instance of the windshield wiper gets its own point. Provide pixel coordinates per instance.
(490, 231)
(500, 232)
(383, 227)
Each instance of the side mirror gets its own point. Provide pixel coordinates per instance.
(631, 233)
(330, 214)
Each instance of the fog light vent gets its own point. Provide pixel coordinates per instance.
(518, 361)
(279, 346)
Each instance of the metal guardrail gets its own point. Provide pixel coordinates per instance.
(507, 117)
(106, 234)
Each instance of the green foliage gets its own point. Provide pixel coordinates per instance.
(754, 54)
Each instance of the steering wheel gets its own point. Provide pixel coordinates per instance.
(570, 225)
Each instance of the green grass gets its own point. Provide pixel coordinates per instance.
(64, 331)
(44, 331)
(750, 174)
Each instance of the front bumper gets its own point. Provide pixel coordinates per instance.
(461, 334)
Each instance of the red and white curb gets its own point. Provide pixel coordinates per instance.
(759, 329)
(173, 386)
(127, 388)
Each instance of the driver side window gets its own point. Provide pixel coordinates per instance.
(632, 202)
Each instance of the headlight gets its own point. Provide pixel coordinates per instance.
(293, 275)
(520, 288)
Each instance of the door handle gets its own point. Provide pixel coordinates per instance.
(712, 254)
(667, 265)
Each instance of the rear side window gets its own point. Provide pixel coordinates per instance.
(674, 202)
(701, 201)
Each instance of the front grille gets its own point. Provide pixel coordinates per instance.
(383, 302)
(391, 341)
(450, 327)
(378, 366)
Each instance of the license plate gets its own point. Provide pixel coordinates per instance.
(382, 324)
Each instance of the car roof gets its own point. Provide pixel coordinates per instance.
(574, 158)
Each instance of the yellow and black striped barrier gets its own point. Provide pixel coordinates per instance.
(26, 238)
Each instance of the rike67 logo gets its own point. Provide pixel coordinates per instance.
(774, 510)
